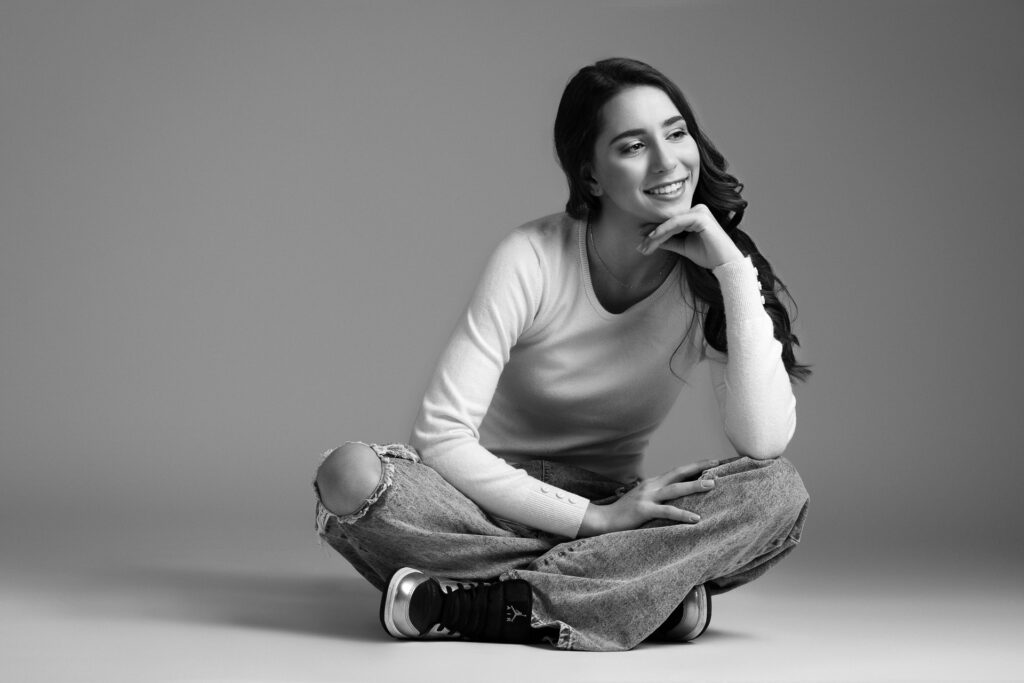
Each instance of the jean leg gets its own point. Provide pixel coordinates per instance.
(778, 549)
(416, 518)
(609, 592)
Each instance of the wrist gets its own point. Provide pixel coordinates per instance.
(594, 521)
(728, 254)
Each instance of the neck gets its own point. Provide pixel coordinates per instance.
(616, 241)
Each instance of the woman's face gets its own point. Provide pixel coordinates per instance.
(645, 164)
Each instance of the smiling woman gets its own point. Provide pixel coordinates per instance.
(517, 512)
(647, 173)
(644, 175)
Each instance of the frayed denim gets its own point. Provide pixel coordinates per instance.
(607, 592)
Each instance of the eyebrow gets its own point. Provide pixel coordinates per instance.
(636, 132)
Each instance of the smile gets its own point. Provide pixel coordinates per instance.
(667, 189)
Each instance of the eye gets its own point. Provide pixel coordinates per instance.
(677, 134)
(632, 148)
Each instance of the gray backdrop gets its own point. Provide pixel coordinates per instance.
(234, 234)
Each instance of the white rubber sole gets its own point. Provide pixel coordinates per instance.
(702, 602)
(395, 591)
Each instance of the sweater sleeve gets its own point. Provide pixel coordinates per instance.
(751, 383)
(446, 431)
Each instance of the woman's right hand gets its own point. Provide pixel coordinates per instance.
(646, 501)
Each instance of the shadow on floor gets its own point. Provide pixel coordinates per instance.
(333, 607)
(344, 607)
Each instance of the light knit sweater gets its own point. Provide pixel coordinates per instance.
(538, 368)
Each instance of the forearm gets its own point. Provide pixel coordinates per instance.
(446, 434)
(498, 488)
(755, 393)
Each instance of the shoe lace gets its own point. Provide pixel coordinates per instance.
(467, 609)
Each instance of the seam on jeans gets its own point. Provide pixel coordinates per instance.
(387, 473)
(798, 528)
(565, 633)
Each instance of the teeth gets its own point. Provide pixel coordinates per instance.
(667, 189)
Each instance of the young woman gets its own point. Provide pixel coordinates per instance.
(517, 512)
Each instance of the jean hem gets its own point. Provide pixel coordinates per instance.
(566, 634)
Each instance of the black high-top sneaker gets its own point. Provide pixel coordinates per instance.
(415, 605)
(689, 620)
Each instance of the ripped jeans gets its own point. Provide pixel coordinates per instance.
(607, 592)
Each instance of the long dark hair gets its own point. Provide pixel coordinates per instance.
(577, 126)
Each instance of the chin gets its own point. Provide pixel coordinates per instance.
(663, 212)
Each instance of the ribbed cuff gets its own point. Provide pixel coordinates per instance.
(554, 510)
(741, 289)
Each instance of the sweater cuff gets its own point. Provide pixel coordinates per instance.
(741, 289)
(552, 509)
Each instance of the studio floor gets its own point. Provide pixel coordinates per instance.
(130, 610)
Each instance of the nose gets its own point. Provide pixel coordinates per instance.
(662, 160)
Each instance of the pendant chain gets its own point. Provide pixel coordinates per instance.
(593, 245)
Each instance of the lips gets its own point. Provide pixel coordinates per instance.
(668, 188)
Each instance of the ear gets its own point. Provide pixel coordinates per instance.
(591, 182)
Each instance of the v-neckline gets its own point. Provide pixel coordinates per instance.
(588, 284)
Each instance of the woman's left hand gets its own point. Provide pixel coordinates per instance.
(696, 235)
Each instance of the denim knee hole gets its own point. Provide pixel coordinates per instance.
(385, 453)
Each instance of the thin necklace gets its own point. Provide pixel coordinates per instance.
(593, 245)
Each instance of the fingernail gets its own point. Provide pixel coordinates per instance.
(695, 518)
(642, 248)
(707, 483)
